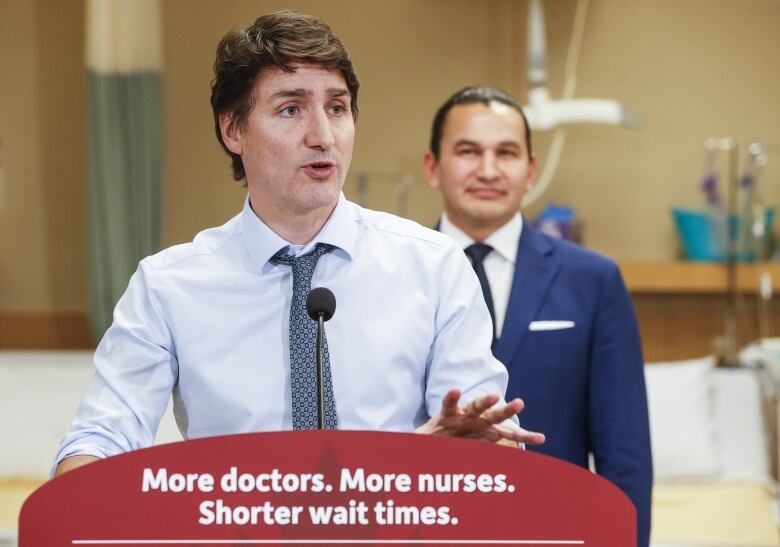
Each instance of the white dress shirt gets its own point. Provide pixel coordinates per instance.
(499, 263)
(208, 321)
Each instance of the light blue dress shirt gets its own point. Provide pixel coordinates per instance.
(208, 322)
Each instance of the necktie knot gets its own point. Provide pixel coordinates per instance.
(309, 260)
(477, 252)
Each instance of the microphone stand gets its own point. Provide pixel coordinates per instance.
(320, 305)
(320, 386)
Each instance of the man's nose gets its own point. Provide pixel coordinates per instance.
(488, 170)
(319, 131)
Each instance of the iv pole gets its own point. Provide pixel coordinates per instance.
(728, 349)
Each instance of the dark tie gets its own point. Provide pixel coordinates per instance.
(303, 345)
(477, 253)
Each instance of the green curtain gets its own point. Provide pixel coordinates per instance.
(125, 151)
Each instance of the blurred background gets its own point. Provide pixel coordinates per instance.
(689, 71)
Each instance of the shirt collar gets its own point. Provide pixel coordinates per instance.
(262, 242)
(504, 240)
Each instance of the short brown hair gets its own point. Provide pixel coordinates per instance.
(278, 39)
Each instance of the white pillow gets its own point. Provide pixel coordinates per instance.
(680, 397)
(739, 418)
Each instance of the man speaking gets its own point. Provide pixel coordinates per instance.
(220, 322)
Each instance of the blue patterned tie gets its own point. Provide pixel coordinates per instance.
(303, 345)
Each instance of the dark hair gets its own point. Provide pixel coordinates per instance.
(278, 39)
(473, 95)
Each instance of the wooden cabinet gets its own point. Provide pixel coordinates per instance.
(678, 277)
(681, 306)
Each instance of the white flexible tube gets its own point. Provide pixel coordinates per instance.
(544, 178)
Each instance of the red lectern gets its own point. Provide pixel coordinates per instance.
(328, 488)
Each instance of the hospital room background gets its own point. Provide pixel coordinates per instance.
(688, 93)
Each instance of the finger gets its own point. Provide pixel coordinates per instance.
(520, 404)
(534, 438)
(520, 435)
(479, 405)
(449, 404)
(499, 414)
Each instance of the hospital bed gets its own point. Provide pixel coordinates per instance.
(714, 447)
(714, 485)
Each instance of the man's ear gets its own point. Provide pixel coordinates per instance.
(430, 166)
(231, 133)
(530, 178)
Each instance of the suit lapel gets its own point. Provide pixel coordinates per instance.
(535, 269)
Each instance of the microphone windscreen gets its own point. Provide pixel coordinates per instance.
(321, 301)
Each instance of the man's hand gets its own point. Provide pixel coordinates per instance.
(73, 462)
(480, 419)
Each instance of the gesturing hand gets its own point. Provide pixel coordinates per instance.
(480, 419)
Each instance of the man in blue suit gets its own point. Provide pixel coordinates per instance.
(563, 321)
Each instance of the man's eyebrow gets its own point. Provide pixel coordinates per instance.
(467, 142)
(296, 92)
(513, 144)
(301, 92)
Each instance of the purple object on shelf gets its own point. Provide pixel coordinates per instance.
(555, 228)
(557, 221)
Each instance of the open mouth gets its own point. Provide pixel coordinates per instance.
(320, 169)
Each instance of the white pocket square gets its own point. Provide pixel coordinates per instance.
(550, 325)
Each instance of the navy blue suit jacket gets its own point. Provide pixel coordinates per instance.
(583, 386)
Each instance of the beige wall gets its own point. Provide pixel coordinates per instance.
(691, 68)
(23, 251)
(42, 211)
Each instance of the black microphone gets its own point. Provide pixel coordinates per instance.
(320, 301)
(320, 305)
